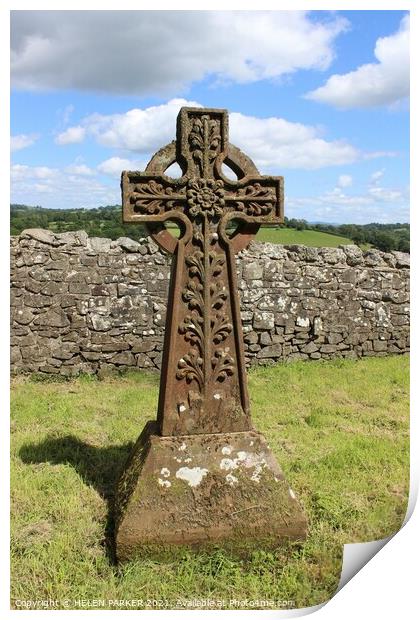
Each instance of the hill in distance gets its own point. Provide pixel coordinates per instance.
(107, 222)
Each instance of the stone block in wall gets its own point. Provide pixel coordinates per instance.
(271, 351)
(22, 316)
(124, 358)
(53, 288)
(53, 317)
(263, 320)
(265, 338)
(252, 270)
(311, 347)
(143, 361)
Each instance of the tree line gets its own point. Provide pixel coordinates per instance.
(99, 222)
(107, 222)
(385, 237)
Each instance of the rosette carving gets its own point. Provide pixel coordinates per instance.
(205, 197)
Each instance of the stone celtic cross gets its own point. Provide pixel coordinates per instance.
(201, 473)
(203, 381)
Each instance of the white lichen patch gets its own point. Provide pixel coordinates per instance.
(192, 475)
(302, 321)
(258, 462)
(251, 443)
(164, 483)
(247, 459)
(217, 396)
(183, 446)
(181, 407)
(226, 450)
(228, 464)
(165, 472)
(255, 458)
(231, 479)
(188, 460)
(292, 495)
(256, 474)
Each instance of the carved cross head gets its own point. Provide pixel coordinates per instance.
(203, 191)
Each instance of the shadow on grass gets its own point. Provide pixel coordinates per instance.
(98, 467)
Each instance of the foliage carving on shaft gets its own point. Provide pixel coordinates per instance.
(205, 271)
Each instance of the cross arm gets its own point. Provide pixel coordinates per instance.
(256, 199)
(150, 198)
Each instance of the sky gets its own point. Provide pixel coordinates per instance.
(319, 97)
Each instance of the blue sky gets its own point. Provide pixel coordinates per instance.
(318, 97)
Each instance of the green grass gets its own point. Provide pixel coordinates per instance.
(290, 236)
(339, 430)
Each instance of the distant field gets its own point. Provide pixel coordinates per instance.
(289, 236)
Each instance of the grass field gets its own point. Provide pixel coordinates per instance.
(339, 430)
(290, 236)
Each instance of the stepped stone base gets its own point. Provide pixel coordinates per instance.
(225, 489)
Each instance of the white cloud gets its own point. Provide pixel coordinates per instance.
(72, 135)
(80, 170)
(147, 52)
(375, 177)
(141, 130)
(59, 188)
(377, 204)
(115, 165)
(22, 141)
(385, 82)
(344, 180)
(273, 143)
(20, 172)
(384, 194)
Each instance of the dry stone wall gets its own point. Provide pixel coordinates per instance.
(92, 305)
